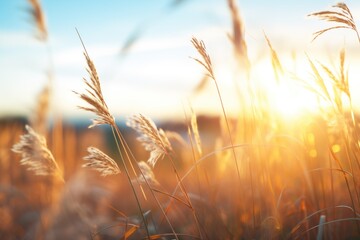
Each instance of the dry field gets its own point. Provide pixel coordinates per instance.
(249, 175)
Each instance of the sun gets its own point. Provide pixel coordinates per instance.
(290, 100)
(286, 96)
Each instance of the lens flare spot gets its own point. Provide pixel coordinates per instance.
(336, 148)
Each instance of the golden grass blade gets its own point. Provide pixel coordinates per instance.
(335, 80)
(338, 80)
(319, 80)
(36, 155)
(318, 33)
(344, 75)
(340, 14)
(99, 161)
(278, 69)
(330, 74)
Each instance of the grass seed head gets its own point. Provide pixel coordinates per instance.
(99, 161)
(94, 97)
(35, 154)
(153, 139)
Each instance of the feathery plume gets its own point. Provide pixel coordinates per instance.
(153, 139)
(35, 154)
(206, 62)
(99, 161)
(39, 18)
(94, 96)
(340, 15)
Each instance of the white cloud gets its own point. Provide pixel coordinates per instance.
(17, 39)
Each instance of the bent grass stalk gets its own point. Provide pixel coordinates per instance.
(341, 15)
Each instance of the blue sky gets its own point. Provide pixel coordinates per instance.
(156, 76)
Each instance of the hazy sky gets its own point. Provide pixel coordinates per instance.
(155, 76)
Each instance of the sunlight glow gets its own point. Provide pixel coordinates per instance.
(286, 96)
(290, 101)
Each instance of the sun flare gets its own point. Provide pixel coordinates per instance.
(291, 101)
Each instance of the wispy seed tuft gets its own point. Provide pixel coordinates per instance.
(153, 139)
(35, 154)
(99, 161)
